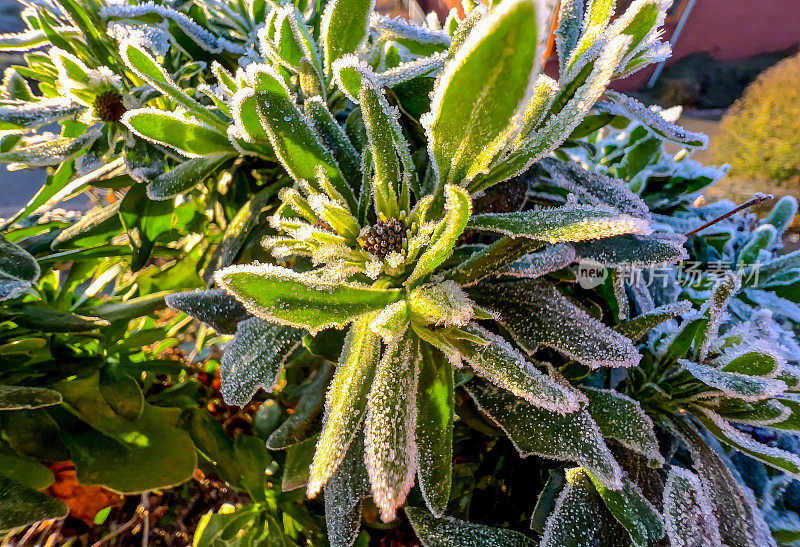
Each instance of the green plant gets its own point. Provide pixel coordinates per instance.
(757, 136)
(388, 226)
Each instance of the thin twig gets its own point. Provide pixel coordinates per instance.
(757, 198)
(125, 527)
(145, 506)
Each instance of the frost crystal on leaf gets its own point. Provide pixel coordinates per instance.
(688, 513)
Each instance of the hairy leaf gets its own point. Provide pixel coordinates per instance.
(214, 307)
(688, 513)
(450, 532)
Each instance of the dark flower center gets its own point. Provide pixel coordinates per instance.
(384, 237)
(108, 106)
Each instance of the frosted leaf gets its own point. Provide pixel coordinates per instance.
(622, 418)
(759, 358)
(451, 532)
(781, 307)
(391, 321)
(570, 16)
(579, 515)
(300, 425)
(46, 150)
(504, 366)
(740, 521)
(254, 359)
(536, 431)
(533, 265)
(637, 328)
(628, 107)
(301, 300)
(537, 314)
(410, 70)
(33, 39)
(215, 307)
(770, 455)
(442, 304)
(348, 485)
(346, 401)
(18, 269)
(688, 512)
(390, 450)
(633, 251)
(734, 384)
(595, 188)
(567, 223)
(714, 308)
(558, 128)
(195, 32)
(30, 115)
(400, 28)
(154, 38)
(633, 511)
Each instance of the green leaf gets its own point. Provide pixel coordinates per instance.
(751, 363)
(18, 269)
(389, 442)
(297, 146)
(214, 307)
(434, 433)
(633, 511)
(570, 18)
(533, 430)
(191, 138)
(146, 67)
(480, 91)
(688, 512)
(346, 402)
(30, 115)
(621, 418)
(774, 457)
(579, 516)
(48, 320)
(20, 506)
(537, 314)
(568, 223)
(297, 463)
(343, 494)
(19, 397)
(450, 532)
(334, 137)
(458, 208)
(26, 471)
(254, 358)
(128, 456)
(632, 251)
(637, 328)
(740, 520)
(300, 424)
(301, 300)
(185, 176)
(492, 259)
(504, 366)
(213, 444)
(145, 221)
(734, 384)
(345, 26)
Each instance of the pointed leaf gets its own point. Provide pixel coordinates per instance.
(344, 28)
(434, 433)
(579, 516)
(734, 384)
(481, 90)
(688, 513)
(458, 208)
(31, 115)
(216, 308)
(568, 223)
(450, 532)
(185, 176)
(390, 450)
(343, 494)
(504, 366)
(621, 418)
(191, 138)
(571, 437)
(297, 426)
(537, 314)
(632, 251)
(23, 397)
(18, 269)
(346, 401)
(254, 358)
(637, 328)
(301, 300)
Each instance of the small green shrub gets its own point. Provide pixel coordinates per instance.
(760, 135)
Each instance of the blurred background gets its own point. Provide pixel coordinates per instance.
(735, 70)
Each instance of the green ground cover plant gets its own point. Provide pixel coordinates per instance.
(376, 236)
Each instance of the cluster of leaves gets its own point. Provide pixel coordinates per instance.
(390, 220)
